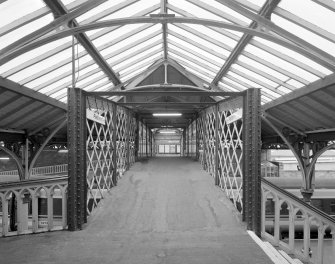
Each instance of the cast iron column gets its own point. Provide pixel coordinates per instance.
(76, 140)
(252, 160)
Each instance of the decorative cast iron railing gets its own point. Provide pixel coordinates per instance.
(285, 216)
(33, 206)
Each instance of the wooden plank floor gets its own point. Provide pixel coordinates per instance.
(164, 210)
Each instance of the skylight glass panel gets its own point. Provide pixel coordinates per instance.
(61, 84)
(228, 80)
(132, 49)
(42, 50)
(262, 67)
(281, 63)
(135, 56)
(198, 74)
(196, 10)
(217, 58)
(11, 10)
(227, 88)
(60, 73)
(193, 66)
(312, 12)
(196, 39)
(42, 67)
(295, 83)
(284, 89)
(254, 75)
(131, 39)
(224, 8)
(213, 34)
(25, 30)
(201, 62)
(100, 8)
(140, 68)
(131, 10)
(312, 38)
(132, 65)
(99, 82)
(116, 34)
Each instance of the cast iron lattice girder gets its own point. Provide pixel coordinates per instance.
(230, 151)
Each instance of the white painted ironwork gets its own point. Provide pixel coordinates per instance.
(99, 149)
(301, 217)
(29, 206)
(230, 157)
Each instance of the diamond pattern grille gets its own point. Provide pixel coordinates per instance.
(210, 143)
(230, 158)
(99, 149)
(107, 147)
(200, 129)
(121, 140)
(230, 151)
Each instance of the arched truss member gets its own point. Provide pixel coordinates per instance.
(39, 151)
(307, 51)
(305, 161)
(17, 161)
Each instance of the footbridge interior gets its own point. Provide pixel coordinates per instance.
(101, 98)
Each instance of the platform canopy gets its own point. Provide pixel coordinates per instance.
(286, 48)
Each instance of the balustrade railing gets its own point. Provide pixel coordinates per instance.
(33, 206)
(286, 220)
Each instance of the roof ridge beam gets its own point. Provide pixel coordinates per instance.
(265, 11)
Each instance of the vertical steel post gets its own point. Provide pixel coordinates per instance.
(216, 161)
(252, 160)
(76, 138)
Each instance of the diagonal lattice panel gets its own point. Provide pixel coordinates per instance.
(230, 154)
(99, 149)
(210, 142)
(121, 140)
(132, 135)
(200, 131)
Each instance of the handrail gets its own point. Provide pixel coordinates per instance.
(298, 200)
(33, 182)
(311, 217)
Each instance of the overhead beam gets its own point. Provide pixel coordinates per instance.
(319, 57)
(165, 103)
(60, 10)
(265, 11)
(164, 93)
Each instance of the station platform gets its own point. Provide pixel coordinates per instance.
(164, 210)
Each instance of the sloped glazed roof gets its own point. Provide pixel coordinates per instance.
(223, 45)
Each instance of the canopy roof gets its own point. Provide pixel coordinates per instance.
(223, 45)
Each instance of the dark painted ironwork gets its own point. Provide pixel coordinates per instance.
(252, 160)
(77, 187)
